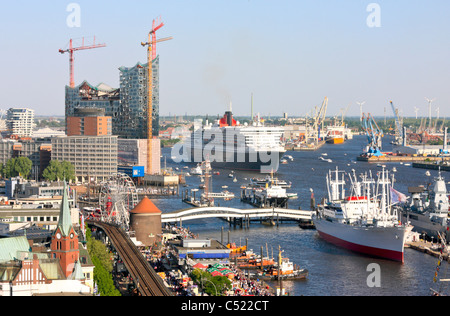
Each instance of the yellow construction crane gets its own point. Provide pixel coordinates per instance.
(151, 45)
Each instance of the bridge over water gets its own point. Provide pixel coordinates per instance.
(229, 213)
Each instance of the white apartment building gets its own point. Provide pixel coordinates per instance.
(20, 121)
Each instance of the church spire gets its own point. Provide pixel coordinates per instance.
(65, 220)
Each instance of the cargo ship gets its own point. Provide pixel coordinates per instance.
(228, 144)
(335, 134)
(364, 221)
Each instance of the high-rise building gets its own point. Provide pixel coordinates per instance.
(20, 121)
(133, 100)
(127, 106)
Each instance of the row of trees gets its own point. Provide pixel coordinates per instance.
(21, 166)
(102, 260)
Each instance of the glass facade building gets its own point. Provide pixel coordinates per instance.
(127, 105)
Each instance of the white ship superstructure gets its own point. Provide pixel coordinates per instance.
(365, 220)
(228, 144)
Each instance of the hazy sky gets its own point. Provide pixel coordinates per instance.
(289, 53)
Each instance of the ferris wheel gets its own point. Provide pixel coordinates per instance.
(118, 196)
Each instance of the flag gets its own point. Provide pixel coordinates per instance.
(397, 197)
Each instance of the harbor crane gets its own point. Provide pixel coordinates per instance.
(398, 126)
(360, 108)
(318, 118)
(429, 112)
(71, 50)
(151, 55)
(374, 135)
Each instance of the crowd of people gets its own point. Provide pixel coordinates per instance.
(164, 258)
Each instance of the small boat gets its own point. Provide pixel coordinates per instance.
(268, 222)
(234, 180)
(235, 249)
(284, 269)
(283, 161)
(292, 196)
(246, 261)
(323, 159)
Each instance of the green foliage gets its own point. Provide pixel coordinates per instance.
(20, 166)
(103, 266)
(212, 285)
(59, 170)
(97, 249)
(104, 279)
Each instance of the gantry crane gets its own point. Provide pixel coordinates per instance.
(374, 135)
(71, 50)
(151, 55)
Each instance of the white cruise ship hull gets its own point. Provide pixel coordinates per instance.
(383, 242)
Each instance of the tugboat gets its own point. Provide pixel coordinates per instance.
(429, 208)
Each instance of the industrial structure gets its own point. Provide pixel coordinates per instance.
(71, 50)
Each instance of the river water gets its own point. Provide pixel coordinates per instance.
(332, 270)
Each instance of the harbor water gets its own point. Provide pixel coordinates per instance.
(332, 270)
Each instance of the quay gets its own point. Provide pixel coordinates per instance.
(401, 158)
(309, 147)
(433, 166)
(428, 248)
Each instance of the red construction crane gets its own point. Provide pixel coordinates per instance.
(151, 55)
(72, 49)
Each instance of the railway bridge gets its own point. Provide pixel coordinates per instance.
(147, 280)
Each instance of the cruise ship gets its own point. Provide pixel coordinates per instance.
(228, 144)
(365, 220)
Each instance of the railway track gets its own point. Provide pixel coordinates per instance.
(147, 280)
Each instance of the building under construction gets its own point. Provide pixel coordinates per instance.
(126, 105)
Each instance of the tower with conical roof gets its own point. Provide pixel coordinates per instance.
(64, 244)
(145, 221)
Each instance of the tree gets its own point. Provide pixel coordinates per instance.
(23, 166)
(57, 170)
(211, 285)
(14, 167)
(101, 258)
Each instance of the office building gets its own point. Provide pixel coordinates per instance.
(92, 156)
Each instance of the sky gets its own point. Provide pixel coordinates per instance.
(290, 54)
